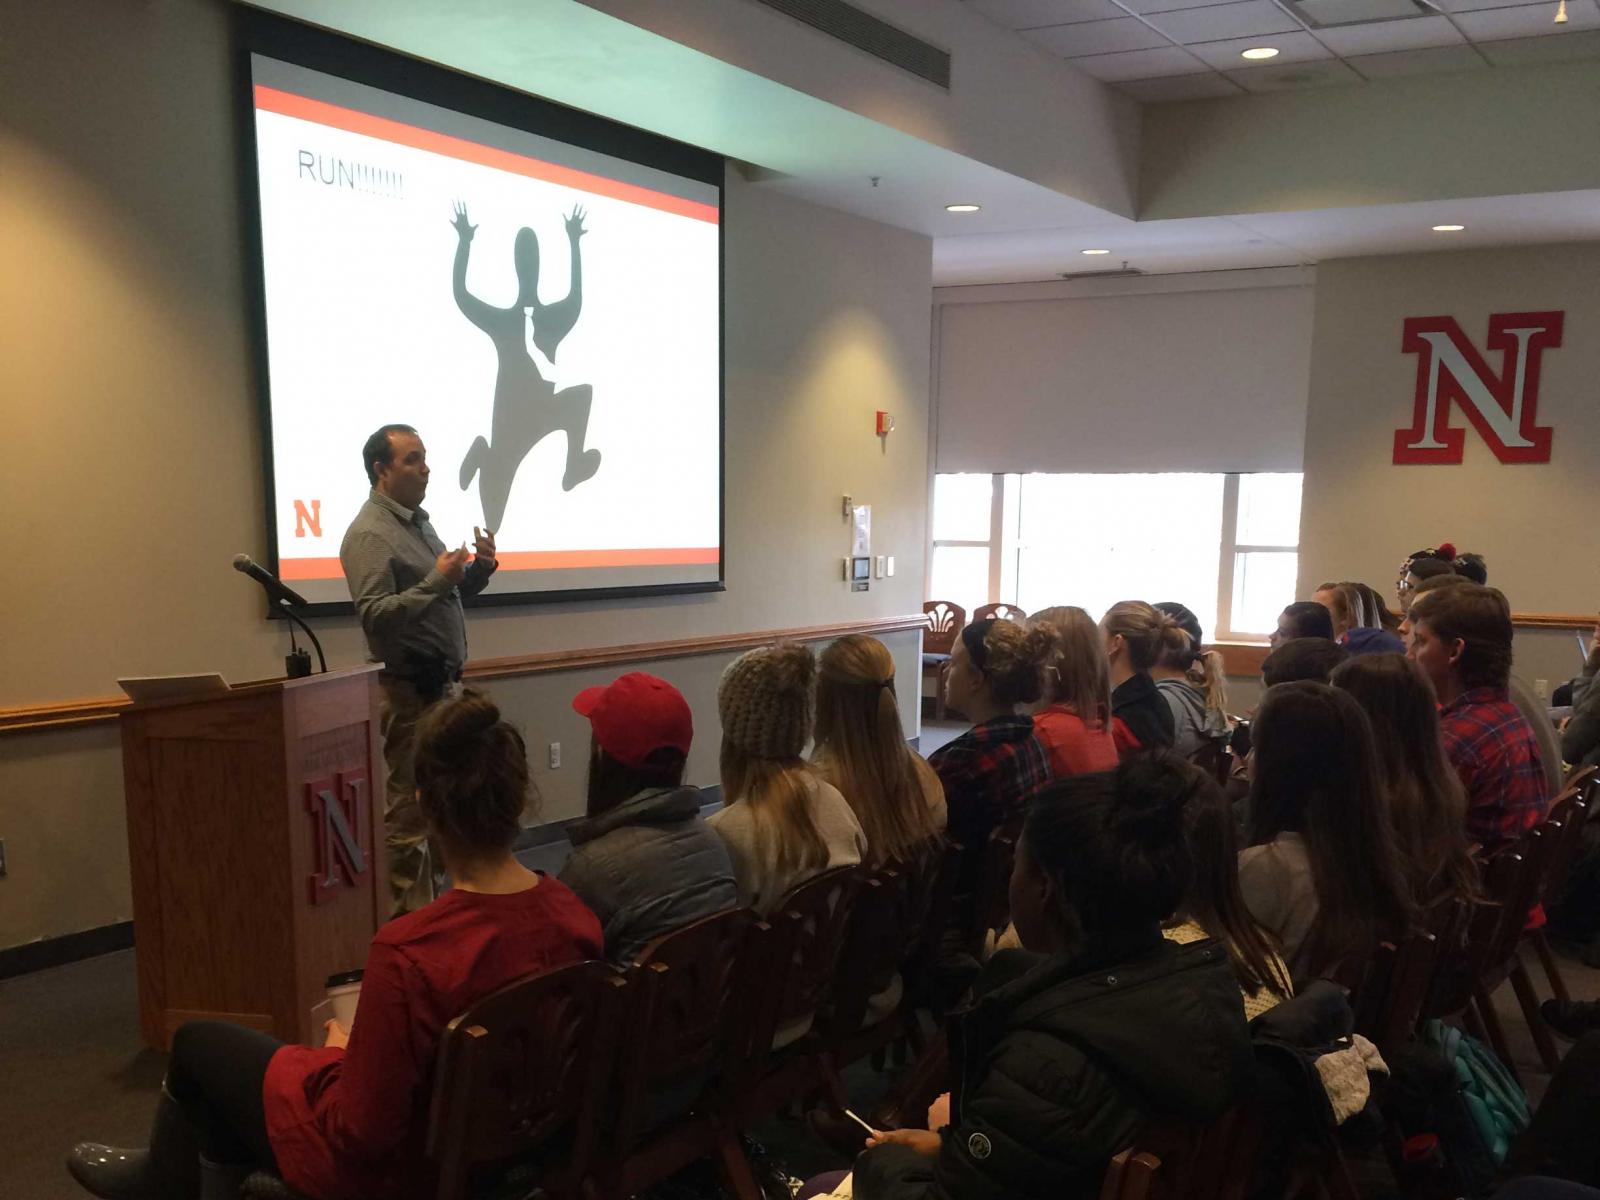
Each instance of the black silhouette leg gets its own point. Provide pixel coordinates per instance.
(473, 460)
(572, 414)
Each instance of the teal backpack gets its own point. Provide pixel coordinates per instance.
(1495, 1102)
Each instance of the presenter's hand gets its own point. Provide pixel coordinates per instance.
(452, 564)
(335, 1035)
(483, 544)
(924, 1141)
(463, 229)
(575, 229)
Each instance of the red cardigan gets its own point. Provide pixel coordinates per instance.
(350, 1124)
(1073, 748)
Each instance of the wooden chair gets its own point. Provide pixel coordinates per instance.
(992, 899)
(689, 1026)
(998, 612)
(945, 621)
(1131, 1175)
(1213, 758)
(1567, 816)
(1389, 1002)
(524, 1070)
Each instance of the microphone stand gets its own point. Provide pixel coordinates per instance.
(283, 607)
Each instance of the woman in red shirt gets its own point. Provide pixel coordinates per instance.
(1074, 725)
(348, 1119)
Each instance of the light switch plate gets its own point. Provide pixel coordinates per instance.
(877, 567)
(889, 566)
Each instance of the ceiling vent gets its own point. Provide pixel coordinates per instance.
(866, 32)
(1334, 14)
(1123, 272)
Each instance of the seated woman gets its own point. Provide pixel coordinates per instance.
(861, 749)
(643, 859)
(782, 823)
(1193, 683)
(1321, 873)
(1074, 722)
(349, 1119)
(1362, 623)
(1136, 636)
(1072, 1045)
(1427, 806)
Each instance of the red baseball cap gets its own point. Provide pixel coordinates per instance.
(636, 716)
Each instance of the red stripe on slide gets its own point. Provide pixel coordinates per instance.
(532, 560)
(353, 121)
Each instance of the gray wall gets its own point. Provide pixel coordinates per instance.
(133, 442)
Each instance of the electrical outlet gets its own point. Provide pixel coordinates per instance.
(1541, 688)
(555, 755)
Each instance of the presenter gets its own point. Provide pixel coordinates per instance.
(407, 590)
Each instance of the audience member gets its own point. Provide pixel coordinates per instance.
(782, 823)
(1136, 636)
(1354, 606)
(1322, 873)
(1307, 658)
(1214, 907)
(1461, 639)
(1194, 685)
(1074, 724)
(861, 749)
(348, 1119)
(1072, 1045)
(1419, 568)
(1302, 619)
(1580, 738)
(1472, 568)
(987, 772)
(643, 859)
(1427, 806)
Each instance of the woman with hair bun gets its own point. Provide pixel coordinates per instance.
(1193, 684)
(1073, 1044)
(996, 668)
(1074, 721)
(349, 1118)
(1136, 636)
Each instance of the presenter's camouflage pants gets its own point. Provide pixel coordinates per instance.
(411, 861)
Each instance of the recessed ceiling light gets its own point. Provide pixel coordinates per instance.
(1097, 252)
(1260, 52)
(1448, 228)
(961, 208)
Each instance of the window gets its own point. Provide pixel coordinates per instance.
(1225, 545)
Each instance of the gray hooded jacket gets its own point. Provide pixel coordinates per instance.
(647, 867)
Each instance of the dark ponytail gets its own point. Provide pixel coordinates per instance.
(471, 770)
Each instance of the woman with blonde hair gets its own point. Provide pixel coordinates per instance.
(782, 823)
(1074, 723)
(1136, 636)
(1193, 684)
(861, 749)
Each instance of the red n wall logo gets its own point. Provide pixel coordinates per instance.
(341, 832)
(1503, 408)
(302, 518)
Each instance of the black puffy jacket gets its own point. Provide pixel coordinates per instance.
(1059, 1062)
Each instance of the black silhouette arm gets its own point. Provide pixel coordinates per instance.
(475, 310)
(556, 320)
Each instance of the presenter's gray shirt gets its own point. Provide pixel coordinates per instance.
(411, 613)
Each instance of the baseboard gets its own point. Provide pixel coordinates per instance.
(68, 948)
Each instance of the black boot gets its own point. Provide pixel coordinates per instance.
(168, 1170)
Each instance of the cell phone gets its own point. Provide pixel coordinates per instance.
(1583, 647)
(870, 1130)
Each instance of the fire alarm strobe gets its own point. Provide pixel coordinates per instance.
(885, 423)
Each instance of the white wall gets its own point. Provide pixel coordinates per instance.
(133, 455)
(1201, 373)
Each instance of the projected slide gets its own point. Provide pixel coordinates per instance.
(545, 315)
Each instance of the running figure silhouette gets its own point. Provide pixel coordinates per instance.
(527, 406)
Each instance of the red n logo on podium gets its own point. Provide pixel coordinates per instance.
(1503, 408)
(341, 832)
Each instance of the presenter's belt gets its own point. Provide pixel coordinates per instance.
(429, 676)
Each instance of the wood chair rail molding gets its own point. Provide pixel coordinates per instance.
(69, 713)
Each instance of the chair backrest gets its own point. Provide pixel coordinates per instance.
(1567, 817)
(998, 612)
(1509, 882)
(1214, 760)
(944, 622)
(1179, 1161)
(815, 916)
(523, 1065)
(688, 989)
(874, 942)
(1131, 1175)
(992, 897)
(1389, 1002)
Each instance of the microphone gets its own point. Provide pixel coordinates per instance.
(277, 590)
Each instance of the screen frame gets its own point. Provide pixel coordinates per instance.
(256, 32)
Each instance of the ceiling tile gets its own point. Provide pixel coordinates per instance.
(1247, 19)
(1207, 85)
(1030, 14)
(1438, 61)
(1460, 6)
(1381, 37)
(1145, 7)
(1097, 37)
(1293, 76)
(1583, 43)
(1138, 64)
(1291, 47)
(1528, 21)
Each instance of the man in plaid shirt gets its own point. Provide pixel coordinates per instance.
(1461, 638)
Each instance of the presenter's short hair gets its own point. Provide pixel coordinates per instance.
(379, 449)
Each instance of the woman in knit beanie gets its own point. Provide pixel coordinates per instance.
(781, 822)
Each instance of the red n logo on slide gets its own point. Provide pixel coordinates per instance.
(302, 518)
(341, 832)
(1503, 408)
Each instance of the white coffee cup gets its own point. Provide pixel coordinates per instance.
(344, 991)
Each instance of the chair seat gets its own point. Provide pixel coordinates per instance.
(935, 660)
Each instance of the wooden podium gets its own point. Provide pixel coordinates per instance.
(255, 834)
